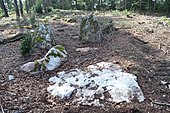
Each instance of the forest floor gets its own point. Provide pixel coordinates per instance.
(141, 45)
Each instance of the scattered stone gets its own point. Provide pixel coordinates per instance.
(163, 24)
(1, 41)
(90, 31)
(141, 22)
(85, 49)
(60, 30)
(149, 30)
(11, 77)
(71, 20)
(50, 61)
(129, 16)
(75, 37)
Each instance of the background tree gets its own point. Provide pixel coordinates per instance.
(16, 8)
(27, 6)
(44, 5)
(3, 7)
(21, 8)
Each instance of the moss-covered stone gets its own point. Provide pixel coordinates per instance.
(90, 30)
(43, 38)
(50, 61)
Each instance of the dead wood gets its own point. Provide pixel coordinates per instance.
(159, 103)
(12, 39)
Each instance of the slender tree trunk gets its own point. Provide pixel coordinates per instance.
(27, 6)
(167, 5)
(76, 4)
(4, 8)
(44, 5)
(101, 4)
(154, 7)
(93, 2)
(16, 8)
(125, 4)
(21, 7)
(63, 3)
(148, 6)
(140, 10)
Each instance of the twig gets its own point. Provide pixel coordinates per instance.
(159, 103)
(2, 109)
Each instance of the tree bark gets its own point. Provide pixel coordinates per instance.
(4, 8)
(93, 2)
(76, 4)
(16, 8)
(140, 10)
(21, 8)
(27, 6)
(154, 7)
(125, 4)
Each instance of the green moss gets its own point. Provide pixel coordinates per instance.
(47, 59)
(36, 65)
(38, 39)
(60, 55)
(60, 48)
(43, 66)
(55, 55)
(83, 23)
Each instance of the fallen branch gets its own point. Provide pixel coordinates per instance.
(2, 109)
(140, 40)
(159, 103)
(12, 39)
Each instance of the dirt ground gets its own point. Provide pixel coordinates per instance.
(140, 46)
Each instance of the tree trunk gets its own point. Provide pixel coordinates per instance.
(93, 2)
(76, 4)
(4, 8)
(101, 4)
(167, 5)
(148, 6)
(44, 5)
(125, 4)
(27, 6)
(16, 8)
(21, 7)
(63, 3)
(154, 7)
(140, 10)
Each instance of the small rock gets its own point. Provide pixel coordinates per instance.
(129, 16)
(11, 77)
(60, 30)
(71, 20)
(85, 49)
(75, 37)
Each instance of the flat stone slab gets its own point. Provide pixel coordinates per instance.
(92, 85)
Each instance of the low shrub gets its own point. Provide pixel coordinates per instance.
(26, 45)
